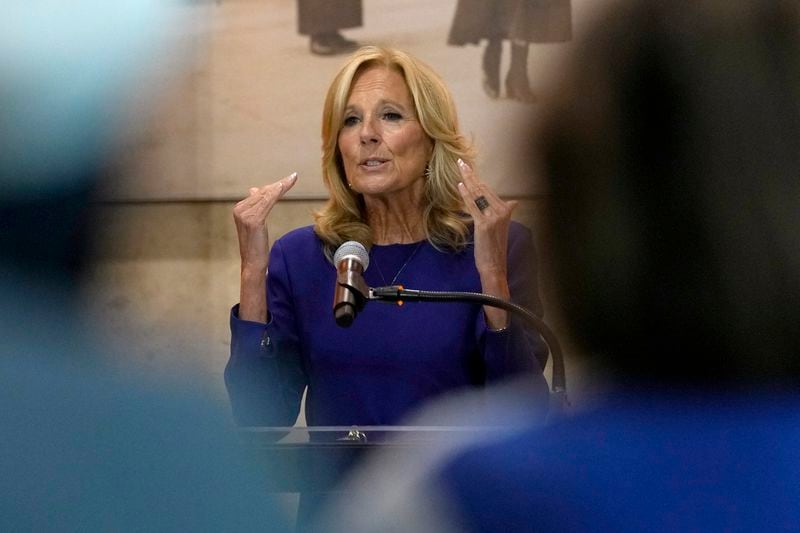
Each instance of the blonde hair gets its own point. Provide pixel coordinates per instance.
(342, 218)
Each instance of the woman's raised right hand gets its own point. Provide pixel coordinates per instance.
(250, 216)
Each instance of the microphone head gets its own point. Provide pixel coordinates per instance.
(353, 249)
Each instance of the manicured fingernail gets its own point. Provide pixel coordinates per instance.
(460, 185)
(460, 162)
(293, 176)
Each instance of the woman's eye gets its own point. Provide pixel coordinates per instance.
(391, 115)
(351, 121)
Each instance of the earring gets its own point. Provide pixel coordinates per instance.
(428, 171)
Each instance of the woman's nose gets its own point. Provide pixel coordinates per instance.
(369, 131)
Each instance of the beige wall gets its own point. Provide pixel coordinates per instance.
(167, 274)
(248, 112)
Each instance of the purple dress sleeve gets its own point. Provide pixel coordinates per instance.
(264, 376)
(518, 350)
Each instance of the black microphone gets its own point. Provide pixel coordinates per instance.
(351, 260)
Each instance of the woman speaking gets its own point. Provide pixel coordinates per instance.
(401, 183)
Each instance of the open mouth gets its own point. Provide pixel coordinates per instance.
(373, 162)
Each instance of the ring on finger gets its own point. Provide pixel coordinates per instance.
(481, 202)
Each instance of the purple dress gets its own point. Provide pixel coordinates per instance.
(393, 358)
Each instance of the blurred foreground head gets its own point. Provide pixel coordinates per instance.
(70, 73)
(673, 157)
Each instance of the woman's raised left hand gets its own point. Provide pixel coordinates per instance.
(492, 218)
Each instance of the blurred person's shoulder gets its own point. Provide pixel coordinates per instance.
(91, 443)
(695, 455)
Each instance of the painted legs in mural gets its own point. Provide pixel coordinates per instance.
(517, 84)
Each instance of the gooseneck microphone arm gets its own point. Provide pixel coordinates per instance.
(397, 293)
(352, 293)
(359, 294)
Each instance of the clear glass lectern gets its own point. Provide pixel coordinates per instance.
(316, 459)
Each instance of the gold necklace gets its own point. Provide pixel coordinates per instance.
(394, 279)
